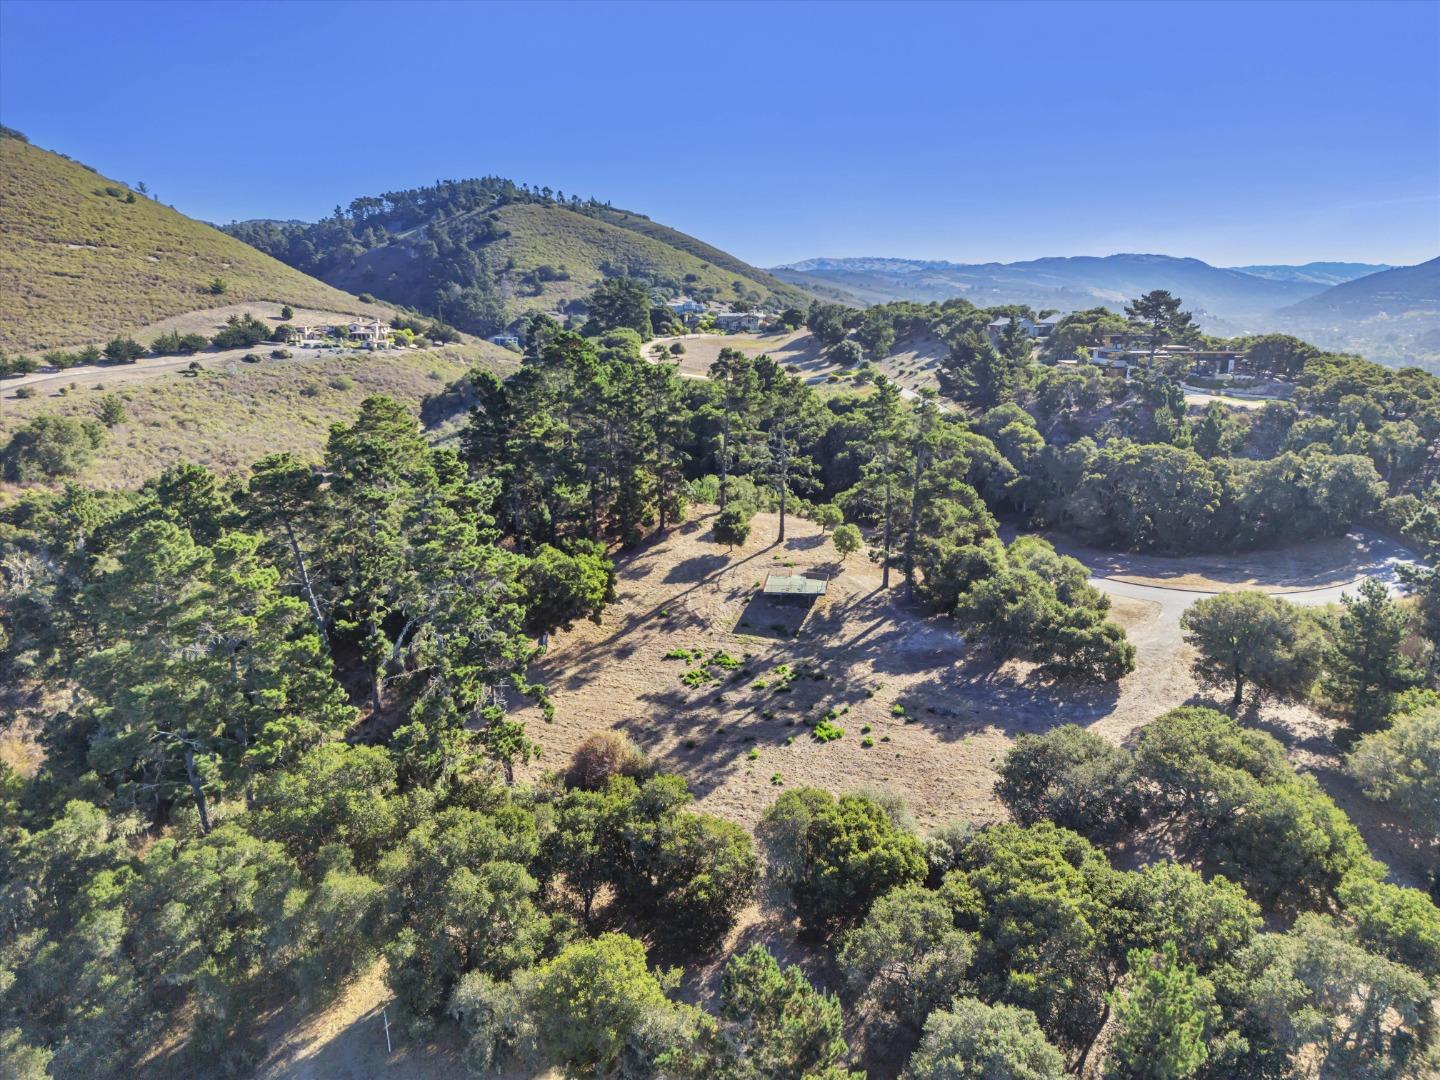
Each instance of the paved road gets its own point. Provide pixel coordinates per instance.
(1385, 556)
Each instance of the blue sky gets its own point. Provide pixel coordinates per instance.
(1231, 132)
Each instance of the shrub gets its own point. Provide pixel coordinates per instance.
(971, 1040)
(175, 343)
(52, 446)
(732, 525)
(111, 411)
(1069, 776)
(827, 731)
(784, 1027)
(341, 382)
(590, 1000)
(310, 389)
(242, 332)
(834, 857)
(601, 756)
(907, 957)
(17, 365)
(217, 287)
(278, 354)
(124, 350)
(1401, 766)
(287, 313)
(25, 392)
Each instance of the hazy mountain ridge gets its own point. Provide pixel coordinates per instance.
(1322, 273)
(1225, 300)
(1385, 315)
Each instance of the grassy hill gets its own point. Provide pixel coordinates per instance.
(83, 257)
(228, 417)
(480, 253)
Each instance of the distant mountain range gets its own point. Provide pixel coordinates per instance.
(1316, 273)
(1387, 313)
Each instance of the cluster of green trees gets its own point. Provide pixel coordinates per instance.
(215, 636)
(590, 441)
(1359, 659)
(1121, 462)
(1361, 961)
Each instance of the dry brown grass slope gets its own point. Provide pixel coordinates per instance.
(79, 262)
(231, 414)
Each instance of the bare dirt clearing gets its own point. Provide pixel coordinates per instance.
(940, 716)
(913, 367)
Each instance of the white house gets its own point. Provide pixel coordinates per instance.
(308, 336)
(738, 321)
(505, 341)
(683, 305)
(374, 335)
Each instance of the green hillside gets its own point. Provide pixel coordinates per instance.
(479, 253)
(83, 257)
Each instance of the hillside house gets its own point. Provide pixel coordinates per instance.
(1033, 328)
(372, 335)
(683, 305)
(309, 337)
(1217, 361)
(997, 327)
(505, 341)
(738, 322)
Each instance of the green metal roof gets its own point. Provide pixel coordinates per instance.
(793, 585)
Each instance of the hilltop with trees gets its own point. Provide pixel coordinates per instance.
(479, 253)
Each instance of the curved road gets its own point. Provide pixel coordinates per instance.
(1384, 557)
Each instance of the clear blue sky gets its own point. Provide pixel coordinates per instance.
(1235, 133)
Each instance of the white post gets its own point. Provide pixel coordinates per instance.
(385, 1015)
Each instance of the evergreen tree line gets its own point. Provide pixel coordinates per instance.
(1120, 462)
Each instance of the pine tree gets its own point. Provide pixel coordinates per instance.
(1162, 1018)
(1369, 669)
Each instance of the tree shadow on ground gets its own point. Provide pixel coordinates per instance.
(775, 617)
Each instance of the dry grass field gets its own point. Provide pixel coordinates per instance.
(232, 413)
(83, 257)
(938, 716)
